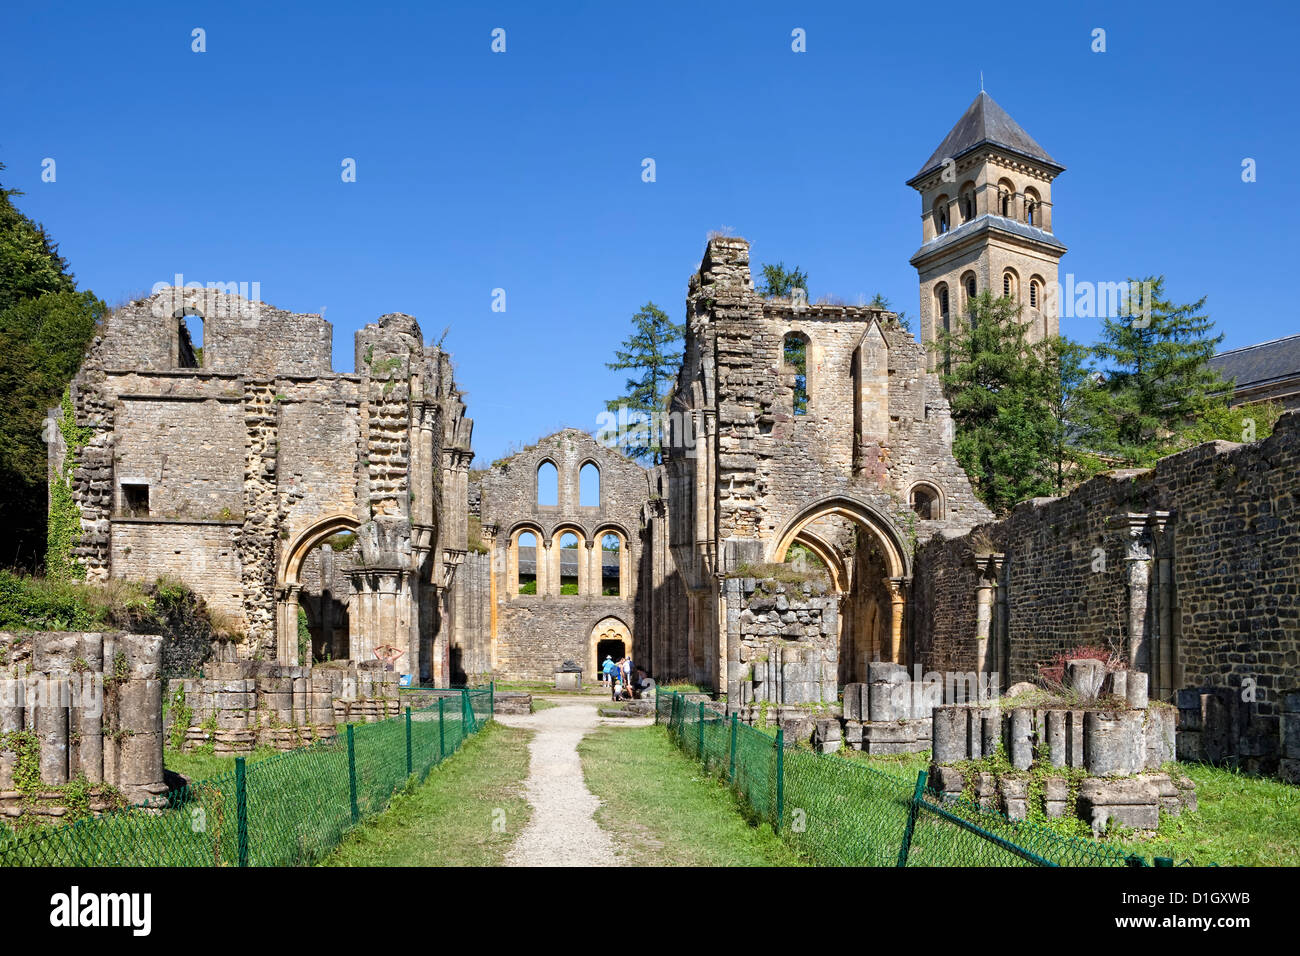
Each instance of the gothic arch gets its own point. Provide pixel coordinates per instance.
(308, 540)
(610, 627)
(860, 513)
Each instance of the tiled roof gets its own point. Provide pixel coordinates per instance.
(983, 224)
(986, 123)
(1258, 364)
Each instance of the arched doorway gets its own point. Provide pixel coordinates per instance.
(289, 585)
(872, 579)
(610, 636)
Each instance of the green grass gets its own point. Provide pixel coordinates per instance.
(900, 765)
(1240, 821)
(663, 810)
(540, 704)
(203, 763)
(449, 819)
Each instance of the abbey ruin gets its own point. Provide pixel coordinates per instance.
(286, 492)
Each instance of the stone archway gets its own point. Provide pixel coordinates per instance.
(607, 629)
(888, 572)
(289, 585)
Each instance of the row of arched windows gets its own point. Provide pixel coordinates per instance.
(548, 485)
(1026, 206)
(570, 571)
(970, 288)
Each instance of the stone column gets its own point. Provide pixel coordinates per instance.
(1137, 559)
(286, 616)
(897, 602)
(1162, 670)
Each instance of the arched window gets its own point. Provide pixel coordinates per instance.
(526, 558)
(794, 356)
(611, 565)
(1006, 193)
(968, 287)
(548, 485)
(1035, 293)
(927, 503)
(943, 327)
(189, 338)
(1032, 214)
(1010, 285)
(589, 486)
(941, 215)
(569, 563)
(967, 202)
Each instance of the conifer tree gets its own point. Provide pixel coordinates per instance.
(652, 353)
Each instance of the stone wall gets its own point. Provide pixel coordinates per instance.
(1189, 570)
(527, 636)
(226, 470)
(235, 707)
(784, 640)
(93, 703)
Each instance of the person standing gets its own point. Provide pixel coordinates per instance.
(607, 670)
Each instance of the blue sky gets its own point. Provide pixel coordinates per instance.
(522, 170)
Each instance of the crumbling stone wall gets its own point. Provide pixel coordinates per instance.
(530, 635)
(784, 639)
(79, 705)
(219, 470)
(236, 707)
(1189, 570)
(743, 470)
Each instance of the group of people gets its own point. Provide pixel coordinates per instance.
(626, 680)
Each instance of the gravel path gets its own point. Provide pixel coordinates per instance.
(561, 831)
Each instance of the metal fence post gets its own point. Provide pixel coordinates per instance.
(912, 810)
(409, 766)
(492, 700)
(466, 714)
(700, 734)
(241, 811)
(731, 767)
(780, 778)
(442, 737)
(352, 776)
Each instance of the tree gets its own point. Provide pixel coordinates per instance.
(778, 283)
(1158, 394)
(998, 386)
(879, 301)
(653, 352)
(1069, 379)
(45, 326)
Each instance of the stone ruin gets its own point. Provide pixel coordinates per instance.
(79, 705)
(1110, 743)
(236, 707)
(784, 639)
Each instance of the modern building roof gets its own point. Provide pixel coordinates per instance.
(986, 124)
(1262, 363)
(987, 223)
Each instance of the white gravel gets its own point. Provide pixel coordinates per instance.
(562, 831)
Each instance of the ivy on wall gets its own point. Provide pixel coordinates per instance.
(64, 526)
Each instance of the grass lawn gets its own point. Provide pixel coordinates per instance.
(1240, 821)
(663, 810)
(449, 819)
(203, 764)
(539, 704)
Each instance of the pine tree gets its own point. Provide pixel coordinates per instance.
(653, 352)
(998, 386)
(879, 301)
(778, 283)
(1159, 394)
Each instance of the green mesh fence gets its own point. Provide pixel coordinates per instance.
(291, 808)
(840, 812)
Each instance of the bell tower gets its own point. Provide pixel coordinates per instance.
(986, 222)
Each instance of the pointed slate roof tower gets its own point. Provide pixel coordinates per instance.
(985, 123)
(986, 211)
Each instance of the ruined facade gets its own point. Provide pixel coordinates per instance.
(793, 424)
(561, 522)
(229, 466)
